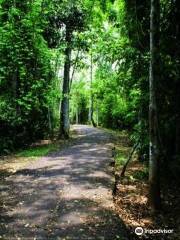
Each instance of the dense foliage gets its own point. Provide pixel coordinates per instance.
(26, 74)
(93, 55)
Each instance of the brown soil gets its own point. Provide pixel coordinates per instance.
(131, 203)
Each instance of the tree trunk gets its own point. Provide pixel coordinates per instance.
(154, 176)
(97, 117)
(74, 69)
(176, 56)
(77, 116)
(91, 107)
(64, 114)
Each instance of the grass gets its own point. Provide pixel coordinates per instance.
(37, 151)
(121, 154)
(120, 159)
(122, 151)
(22, 158)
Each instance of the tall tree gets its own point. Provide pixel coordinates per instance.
(154, 178)
(64, 114)
(176, 57)
(91, 99)
(73, 21)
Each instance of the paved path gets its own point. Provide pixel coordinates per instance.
(67, 195)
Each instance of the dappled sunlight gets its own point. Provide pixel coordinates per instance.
(68, 193)
(132, 198)
(112, 68)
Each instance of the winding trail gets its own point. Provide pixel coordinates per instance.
(67, 195)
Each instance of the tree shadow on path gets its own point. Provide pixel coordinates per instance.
(67, 195)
